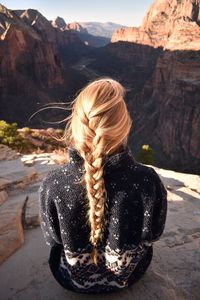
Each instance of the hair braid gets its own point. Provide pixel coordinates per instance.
(93, 163)
(99, 125)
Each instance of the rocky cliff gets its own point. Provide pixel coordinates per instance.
(162, 20)
(166, 109)
(81, 32)
(31, 72)
(45, 28)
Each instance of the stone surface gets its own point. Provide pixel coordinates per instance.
(176, 254)
(11, 231)
(26, 275)
(14, 174)
(18, 199)
(6, 153)
(3, 196)
(31, 211)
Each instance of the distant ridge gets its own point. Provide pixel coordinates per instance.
(105, 29)
(82, 32)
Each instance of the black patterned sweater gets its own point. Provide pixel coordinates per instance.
(136, 211)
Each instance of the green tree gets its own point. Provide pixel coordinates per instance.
(10, 136)
(146, 155)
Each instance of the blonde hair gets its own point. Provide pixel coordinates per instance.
(98, 125)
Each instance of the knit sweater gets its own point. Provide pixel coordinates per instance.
(136, 211)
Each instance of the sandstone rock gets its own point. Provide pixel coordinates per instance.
(29, 163)
(30, 43)
(31, 212)
(170, 98)
(18, 202)
(15, 175)
(185, 36)
(31, 176)
(76, 26)
(48, 32)
(131, 34)
(165, 106)
(161, 20)
(3, 196)
(6, 153)
(11, 231)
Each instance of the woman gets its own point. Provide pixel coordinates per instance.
(102, 210)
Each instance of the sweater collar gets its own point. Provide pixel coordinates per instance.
(110, 160)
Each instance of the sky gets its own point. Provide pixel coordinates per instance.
(124, 12)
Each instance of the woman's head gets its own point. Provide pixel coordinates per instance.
(98, 126)
(99, 117)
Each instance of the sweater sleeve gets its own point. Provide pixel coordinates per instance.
(49, 221)
(160, 209)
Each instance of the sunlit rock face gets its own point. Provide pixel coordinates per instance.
(167, 24)
(46, 29)
(167, 107)
(76, 26)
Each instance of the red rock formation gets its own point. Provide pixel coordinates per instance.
(46, 29)
(76, 26)
(131, 34)
(31, 71)
(18, 41)
(166, 109)
(161, 23)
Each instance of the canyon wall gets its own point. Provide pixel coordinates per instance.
(166, 109)
(31, 71)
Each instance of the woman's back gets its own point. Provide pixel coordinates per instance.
(135, 214)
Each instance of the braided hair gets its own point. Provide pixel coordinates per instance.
(98, 126)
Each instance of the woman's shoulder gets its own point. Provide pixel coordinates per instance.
(55, 176)
(147, 170)
(141, 169)
(150, 175)
(146, 173)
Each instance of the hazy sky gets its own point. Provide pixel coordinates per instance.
(125, 12)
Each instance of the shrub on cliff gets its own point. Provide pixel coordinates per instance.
(146, 155)
(10, 136)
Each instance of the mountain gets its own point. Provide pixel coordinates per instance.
(31, 70)
(105, 29)
(48, 32)
(167, 107)
(81, 32)
(87, 38)
(164, 24)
